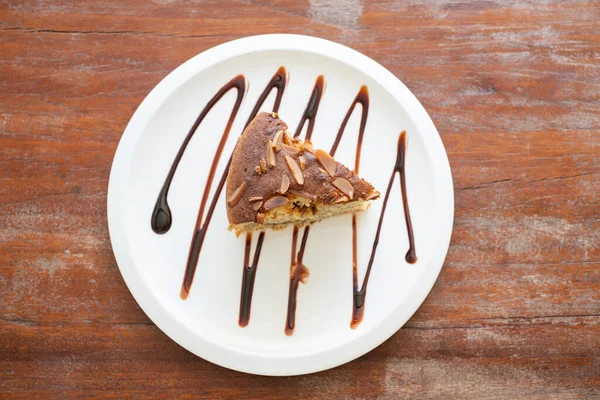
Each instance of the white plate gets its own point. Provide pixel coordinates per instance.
(207, 322)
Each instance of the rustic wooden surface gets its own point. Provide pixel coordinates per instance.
(514, 89)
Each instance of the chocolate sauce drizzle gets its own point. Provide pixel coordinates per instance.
(361, 98)
(277, 82)
(298, 273)
(311, 108)
(359, 294)
(358, 310)
(161, 216)
(161, 220)
(248, 278)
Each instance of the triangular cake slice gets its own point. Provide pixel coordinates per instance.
(275, 180)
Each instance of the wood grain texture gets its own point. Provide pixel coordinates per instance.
(514, 89)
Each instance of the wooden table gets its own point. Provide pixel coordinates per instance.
(515, 93)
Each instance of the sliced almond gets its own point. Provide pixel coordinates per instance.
(300, 272)
(253, 199)
(309, 147)
(344, 186)
(303, 194)
(302, 162)
(330, 198)
(296, 171)
(341, 199)
(256, 206)
(326, 161)
(263, 165)
(285, 184)
(290, 149)
(260, 218)
(373, 195)
(275, 202)
(287, 138)
(270, 154)
(321, 170)
(236, 195)
(277, 140)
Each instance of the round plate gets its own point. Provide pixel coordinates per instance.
(207, 322)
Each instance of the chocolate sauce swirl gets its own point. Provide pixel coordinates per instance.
(161, 219)
(361, 98)
(298, 273)
(278, 82)
(310, 112)
(161, 215)
(410, 257)
(248, 278)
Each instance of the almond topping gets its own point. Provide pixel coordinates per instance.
(285, 184)
(296, 171)
(256, 206)
(290, 149)
(287, 138)
(302, 162)
(260, 218)
(236, 195)
(253, 199)
(300, 272)
(342, 199)
(309, 147)
(373, 195)
(270, 154)
(303, 194)
(344, 186)
(274, 115)
(263, 165)
(275, 202)
(326, 161)
(258, 170)
(321, 170)
(330, 198)
(277, 140)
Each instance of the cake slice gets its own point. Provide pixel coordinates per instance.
(275, 180)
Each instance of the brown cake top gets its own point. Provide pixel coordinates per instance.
(268, 164)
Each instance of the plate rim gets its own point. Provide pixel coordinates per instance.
(270, 364)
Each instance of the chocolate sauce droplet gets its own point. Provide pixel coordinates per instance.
(411, 256)
(161, 215)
